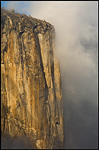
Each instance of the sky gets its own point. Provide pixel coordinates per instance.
(76, 26)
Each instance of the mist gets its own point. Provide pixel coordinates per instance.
(76, 26)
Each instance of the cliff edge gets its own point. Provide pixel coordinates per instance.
(31, 96)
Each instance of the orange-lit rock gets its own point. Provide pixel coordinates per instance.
(31, 97)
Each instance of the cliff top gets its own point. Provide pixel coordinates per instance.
(26, 22)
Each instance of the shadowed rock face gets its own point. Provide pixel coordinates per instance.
(31, 97)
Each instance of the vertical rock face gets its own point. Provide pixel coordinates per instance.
(31, 97)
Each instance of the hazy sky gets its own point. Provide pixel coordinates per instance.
(76, 25)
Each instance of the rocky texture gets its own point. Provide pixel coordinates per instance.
(31, 97)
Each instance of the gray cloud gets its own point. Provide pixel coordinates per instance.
(76, 47)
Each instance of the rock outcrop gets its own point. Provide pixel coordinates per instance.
(31, 96)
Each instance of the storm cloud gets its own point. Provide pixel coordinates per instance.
(76, 25)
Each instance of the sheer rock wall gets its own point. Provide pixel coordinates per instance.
(31, 97)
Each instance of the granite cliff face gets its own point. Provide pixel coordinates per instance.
(31, 97)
